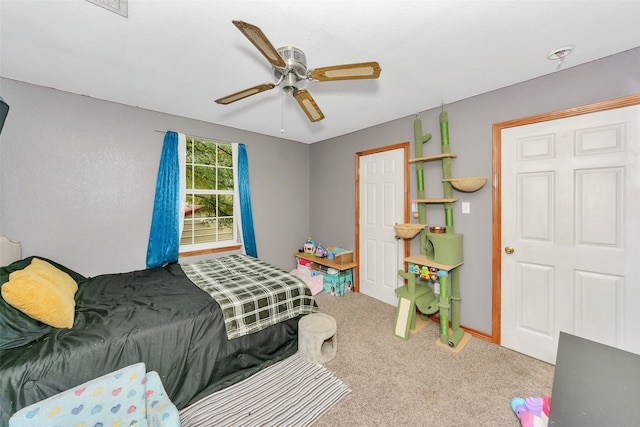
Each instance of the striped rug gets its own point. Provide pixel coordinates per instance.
(291, 393)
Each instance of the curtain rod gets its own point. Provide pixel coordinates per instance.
(207, 138)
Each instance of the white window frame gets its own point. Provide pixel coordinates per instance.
(237, 219)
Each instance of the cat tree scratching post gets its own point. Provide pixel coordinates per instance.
(440, 251)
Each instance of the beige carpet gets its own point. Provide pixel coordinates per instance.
(416, 382)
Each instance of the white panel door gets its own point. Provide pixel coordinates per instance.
(381, 206)
(570, 201)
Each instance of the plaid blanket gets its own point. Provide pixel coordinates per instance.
(253, 295)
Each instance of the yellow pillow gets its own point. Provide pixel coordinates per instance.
(40, 298)
(57, 277)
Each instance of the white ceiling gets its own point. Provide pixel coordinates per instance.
(177, 56)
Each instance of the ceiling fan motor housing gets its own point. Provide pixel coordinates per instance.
(296, 69)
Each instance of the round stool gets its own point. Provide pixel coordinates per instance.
(317, 338)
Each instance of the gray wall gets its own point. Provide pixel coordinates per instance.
(77, 179)
(470, 129)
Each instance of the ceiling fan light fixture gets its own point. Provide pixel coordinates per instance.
(290, 81)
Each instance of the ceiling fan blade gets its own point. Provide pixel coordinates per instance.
(261, 42)
(361, 70)
(308, 105)
(244, 93)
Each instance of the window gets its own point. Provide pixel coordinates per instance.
(209, 220)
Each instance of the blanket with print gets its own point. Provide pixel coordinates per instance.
(253, 294)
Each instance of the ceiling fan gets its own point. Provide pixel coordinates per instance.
(290, 66)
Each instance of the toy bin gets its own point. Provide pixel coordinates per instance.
(337, 284)
(304, 262)
(342, 256)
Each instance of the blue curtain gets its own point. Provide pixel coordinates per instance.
(164, 237)
(248, 236)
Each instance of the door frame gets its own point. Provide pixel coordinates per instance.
(496, 313)
(406, 149)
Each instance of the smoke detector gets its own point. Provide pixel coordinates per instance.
(559, 54)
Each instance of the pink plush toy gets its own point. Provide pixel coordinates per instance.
(532, 411)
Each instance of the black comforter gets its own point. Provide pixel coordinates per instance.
(156, 316)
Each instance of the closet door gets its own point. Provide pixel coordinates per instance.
(570, 197)
(381, 195)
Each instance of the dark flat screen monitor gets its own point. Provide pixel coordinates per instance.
(4, 110)
(594, 385)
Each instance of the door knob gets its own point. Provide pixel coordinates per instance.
(509, 250)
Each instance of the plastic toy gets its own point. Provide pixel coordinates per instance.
(330, 252)
(532, 411)
(321, 251)
(309, 246)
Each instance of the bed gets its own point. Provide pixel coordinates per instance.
(157, 316)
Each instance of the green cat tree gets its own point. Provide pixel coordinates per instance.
(443, 251)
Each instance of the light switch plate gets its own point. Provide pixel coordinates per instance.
(466, 207)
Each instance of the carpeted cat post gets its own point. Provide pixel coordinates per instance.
(317, 338)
